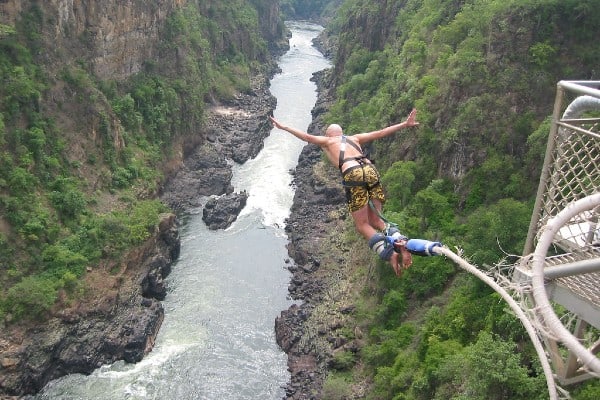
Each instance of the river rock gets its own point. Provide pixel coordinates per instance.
(220, 212)
(205, 172)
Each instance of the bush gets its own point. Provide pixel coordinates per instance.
(31, 298)
(336, 388)
(21, 181)
(387, 344)
(67, 199)
(142, 220)
(343, 360)
(589, 391)
(490, 369)
(495, 230)
(393, 307)
(60, 259)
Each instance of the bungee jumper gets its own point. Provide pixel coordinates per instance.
(364, 193)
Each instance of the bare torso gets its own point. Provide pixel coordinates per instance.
(332, 149)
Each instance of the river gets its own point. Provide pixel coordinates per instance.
(217, 340)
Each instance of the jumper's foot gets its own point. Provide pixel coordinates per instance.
(401, 258)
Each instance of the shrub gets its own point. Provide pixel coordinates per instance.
(491, 369)
(343, 360)
(336, 388)
(393, 307)
(589, 391)
(21, 181)
(67, 199)
(61, 259)
(31, 298)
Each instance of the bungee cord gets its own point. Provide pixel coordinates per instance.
(436, 248)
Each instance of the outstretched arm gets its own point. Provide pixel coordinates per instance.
(411, 120)
(307, 137)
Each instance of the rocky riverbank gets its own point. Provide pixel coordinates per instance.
(314, 331)
(235, 133)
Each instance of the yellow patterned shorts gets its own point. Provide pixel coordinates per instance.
(362, 183)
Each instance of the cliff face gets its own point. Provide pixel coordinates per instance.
(115, 37)
(114, 40)
(270, 22)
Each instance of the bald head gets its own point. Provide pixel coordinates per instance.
(333, 130)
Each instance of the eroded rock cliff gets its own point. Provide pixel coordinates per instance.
(117, 36)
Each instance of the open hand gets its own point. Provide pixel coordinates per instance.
(411, 120)
(275, 123)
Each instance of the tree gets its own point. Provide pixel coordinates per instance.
(490, 369)
(398, 180)
(496, 231)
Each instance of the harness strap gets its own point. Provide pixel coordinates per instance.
(357, 147)
(342, 151)
(342, 160)
(387, 222)
(362, 184)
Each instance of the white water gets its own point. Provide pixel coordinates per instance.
(217, 340)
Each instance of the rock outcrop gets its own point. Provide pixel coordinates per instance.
(220, 212)
(121, 35)
(235, 133)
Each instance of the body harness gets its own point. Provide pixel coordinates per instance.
(383, 244)
(361, 163)
(360, 159)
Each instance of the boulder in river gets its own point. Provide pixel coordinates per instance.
(220, 212)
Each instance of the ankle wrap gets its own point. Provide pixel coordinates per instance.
(395, 233)
(379, 244)
(397, 239)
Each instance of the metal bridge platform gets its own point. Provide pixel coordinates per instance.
(566, 261)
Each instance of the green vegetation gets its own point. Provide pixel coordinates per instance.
(482, 75)
(72, 201)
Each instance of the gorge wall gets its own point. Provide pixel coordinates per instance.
(116, 37)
